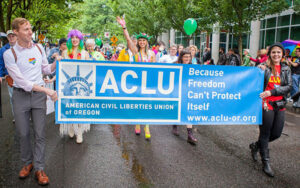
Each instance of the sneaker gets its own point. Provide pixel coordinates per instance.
(137, 129)
(147, 132)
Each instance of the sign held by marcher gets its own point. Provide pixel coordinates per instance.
(124, 93)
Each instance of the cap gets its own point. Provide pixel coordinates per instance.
(10, 32)
(278, 44)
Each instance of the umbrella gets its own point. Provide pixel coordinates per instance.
(2, 34)
(291, 45)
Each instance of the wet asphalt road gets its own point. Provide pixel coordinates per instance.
(113, 156)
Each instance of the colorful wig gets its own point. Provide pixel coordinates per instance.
(75, 33)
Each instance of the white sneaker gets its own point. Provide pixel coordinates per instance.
(79, 139)
(71, 132)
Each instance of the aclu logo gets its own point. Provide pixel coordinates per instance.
(138, 82)
(76, 85)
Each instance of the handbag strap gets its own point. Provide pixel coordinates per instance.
(15, 55)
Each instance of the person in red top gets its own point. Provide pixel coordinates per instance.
(277, 85)
(262, 57)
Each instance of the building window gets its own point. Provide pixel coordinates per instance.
(295, 33)
(197, 41)
(270, 37)
(284, 20)
(263, 24)
(278, 29)
(271, 22)
(282, 34)
(295, 19)
(223, 37)
(262, 39)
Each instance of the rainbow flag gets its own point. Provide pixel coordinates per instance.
(292, 45)
(32, 61)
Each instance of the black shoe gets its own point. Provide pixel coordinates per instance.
(267, 168)
(254, 150)
(266, 162)
(191, 139)
(175, 130)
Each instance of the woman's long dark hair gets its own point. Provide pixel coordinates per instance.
(182, 53)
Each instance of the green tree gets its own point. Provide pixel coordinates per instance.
(236, 15)
(44, 15)
(177, 11)
(147, 16)
(96, 18)
(7, 9)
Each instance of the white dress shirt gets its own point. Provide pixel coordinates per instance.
(29, 68)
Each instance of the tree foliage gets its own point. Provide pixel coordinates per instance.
(96, 18)
(236, 15)
(45, 15)
(56, 17)
(147, 16)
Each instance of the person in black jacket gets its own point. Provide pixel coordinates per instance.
(232, 58)
(277, 85)
(222, 57)
(206, 55)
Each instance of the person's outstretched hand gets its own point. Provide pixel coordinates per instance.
(121, 21)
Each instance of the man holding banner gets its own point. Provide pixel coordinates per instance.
(26, 63)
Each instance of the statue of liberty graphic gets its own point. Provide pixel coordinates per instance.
(77, 85)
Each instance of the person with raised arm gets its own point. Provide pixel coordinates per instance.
(141, 53)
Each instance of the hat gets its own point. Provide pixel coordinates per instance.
(10, 32)
(143, 35)
(278, 44)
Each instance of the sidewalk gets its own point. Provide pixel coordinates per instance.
(290, 108)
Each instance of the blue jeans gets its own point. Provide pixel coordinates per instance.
(296, 83)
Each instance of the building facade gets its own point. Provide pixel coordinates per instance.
(271, 29)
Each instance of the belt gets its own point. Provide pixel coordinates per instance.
(19, 89)
(22, 90)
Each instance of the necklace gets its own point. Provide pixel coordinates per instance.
(71, 55)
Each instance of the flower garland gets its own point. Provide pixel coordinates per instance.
(71, 55)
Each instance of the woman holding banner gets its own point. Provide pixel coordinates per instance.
(75, 51)
(141, 53)
(277, 85)
(185, 57)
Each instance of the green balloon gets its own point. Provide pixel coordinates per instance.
(98, 42)
(190, 26)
